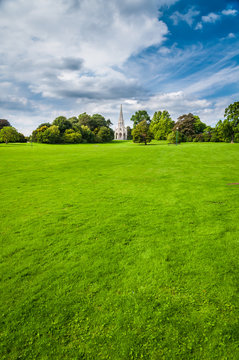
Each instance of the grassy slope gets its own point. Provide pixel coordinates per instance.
(119, 251)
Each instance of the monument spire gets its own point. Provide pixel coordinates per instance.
(121, 131)
(121, 119)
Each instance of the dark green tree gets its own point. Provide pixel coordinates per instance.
(21, 138)
(62, 123)
(99, 121)
(129, 133)
(85, 120)
(105, 134)
(73, 120)
(199, 126)
(44, 124)
(109, 123)
(87, 134)
(189, 125)
(139, 116)
(4, 122)
(231, 122)
(141, 133)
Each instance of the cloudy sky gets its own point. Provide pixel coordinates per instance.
(65, 57)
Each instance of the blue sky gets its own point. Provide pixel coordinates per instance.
(64, 57)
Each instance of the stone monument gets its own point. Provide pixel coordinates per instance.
(121, 131)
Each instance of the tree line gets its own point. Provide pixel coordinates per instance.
(75, 130)
(187, 128)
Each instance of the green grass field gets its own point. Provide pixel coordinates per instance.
(119, 251)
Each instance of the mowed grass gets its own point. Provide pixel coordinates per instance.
(119, 251)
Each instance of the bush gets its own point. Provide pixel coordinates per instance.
(171, 138)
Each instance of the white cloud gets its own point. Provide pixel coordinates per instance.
(179, 103)
(198, 26)
(213, 17)
(218, 79)
(188, 17)
(210, 18)
(58, 50)
(100, 33)
(231, 36)
(50, 42)
(227, 12)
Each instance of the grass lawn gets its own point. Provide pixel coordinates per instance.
(119, 251)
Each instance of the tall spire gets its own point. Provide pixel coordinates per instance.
(121, 131)
(121, 119)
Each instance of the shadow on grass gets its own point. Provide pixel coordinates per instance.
(151, 144)
(14, 144)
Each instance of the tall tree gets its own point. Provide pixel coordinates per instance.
(189, 125)
(139, 116)
(161, 125)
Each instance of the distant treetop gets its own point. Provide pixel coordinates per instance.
(4, 122)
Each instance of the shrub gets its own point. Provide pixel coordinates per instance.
(171, 138)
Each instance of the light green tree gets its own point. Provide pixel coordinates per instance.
(51, 135)
(161, 125)
(8, 134)
(72, 137)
